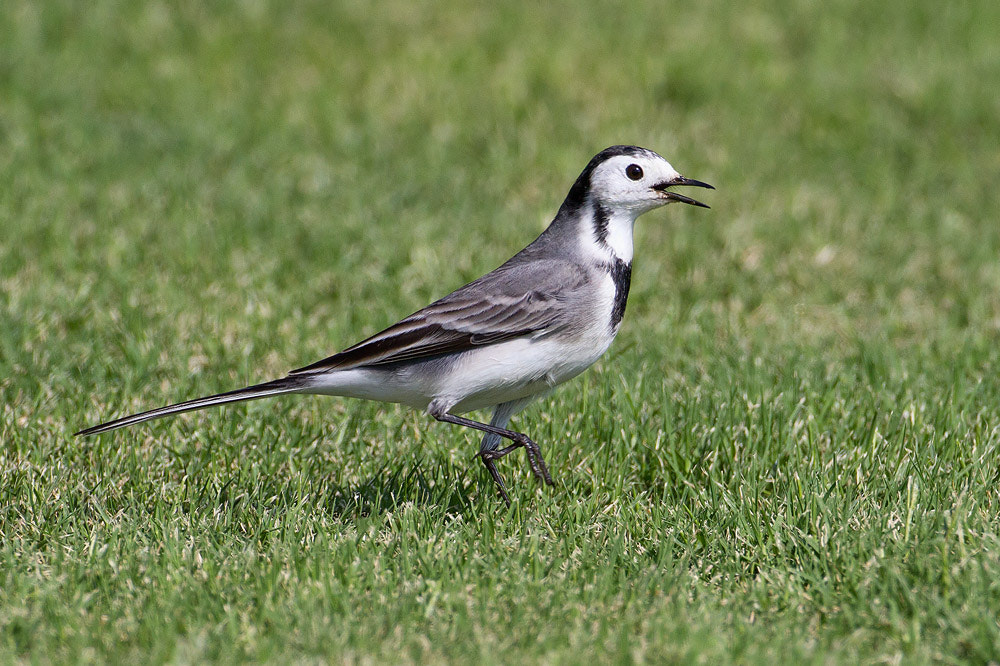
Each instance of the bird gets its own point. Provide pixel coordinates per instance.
(511, 336)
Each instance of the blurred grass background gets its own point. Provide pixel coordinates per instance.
(789, 453)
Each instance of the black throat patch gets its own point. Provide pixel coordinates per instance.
(621, 273)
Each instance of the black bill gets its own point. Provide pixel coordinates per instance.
(674, 196)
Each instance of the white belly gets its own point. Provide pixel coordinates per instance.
(517, 369)
(474, 380)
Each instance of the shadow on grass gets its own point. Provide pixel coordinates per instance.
(406, 483)
(446, 486)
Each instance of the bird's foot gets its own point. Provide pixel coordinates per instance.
(535, 460)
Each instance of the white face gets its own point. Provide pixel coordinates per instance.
(626, 182)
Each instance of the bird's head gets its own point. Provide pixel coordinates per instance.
(634, 179)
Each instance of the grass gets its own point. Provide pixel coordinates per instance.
(790, 453)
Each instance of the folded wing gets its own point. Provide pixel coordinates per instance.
(494, 308)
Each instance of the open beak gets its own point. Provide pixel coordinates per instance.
(674, 196)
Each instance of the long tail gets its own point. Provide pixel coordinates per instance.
(276, 387)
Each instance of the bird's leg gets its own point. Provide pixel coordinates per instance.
(487, 449)
(535, 460)
(538, 466)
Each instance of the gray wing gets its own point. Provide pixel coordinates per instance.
(527, 299)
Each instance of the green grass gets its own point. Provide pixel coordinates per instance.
(790, 454)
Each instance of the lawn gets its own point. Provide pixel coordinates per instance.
(790, 454)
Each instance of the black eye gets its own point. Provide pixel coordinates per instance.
(633, 171)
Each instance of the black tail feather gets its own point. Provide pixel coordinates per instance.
(276, 387)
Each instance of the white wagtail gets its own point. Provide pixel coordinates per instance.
(499, 342)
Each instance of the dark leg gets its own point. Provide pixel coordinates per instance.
(538, 467)
(519, 439)
(491, 467)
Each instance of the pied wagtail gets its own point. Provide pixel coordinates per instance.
(499, 342)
